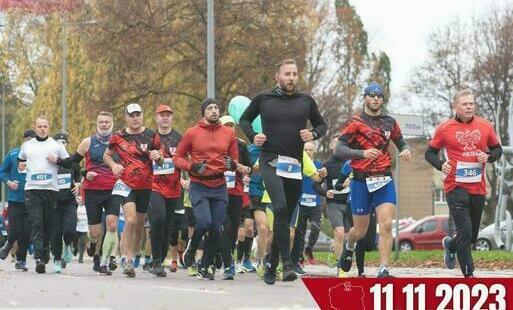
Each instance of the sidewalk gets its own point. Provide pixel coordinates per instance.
(325, 271)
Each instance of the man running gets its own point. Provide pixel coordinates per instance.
(470, 142)
(97, 185)
(137, 147)
(284, 112)
(213, 150)
(18, 214)
(166, 189)
(64, 217)
(42, 187)
(365, 139)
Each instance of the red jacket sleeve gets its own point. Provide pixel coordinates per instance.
(182, 151)
(234, 149)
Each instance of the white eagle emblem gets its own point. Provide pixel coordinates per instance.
(468, 139)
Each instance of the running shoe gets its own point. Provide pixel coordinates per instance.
(227, 274)
(218, 261)
(68, 255)
(21, 265)
(40, 266)
(188, 255)
(4, 251)
(346, 259)
(205, 273)
(238, 267)
(174, 266)
(449, 257)
(137, 261)
(383, 273)
(247, 266)
(57, 266)
(341, 273)
(158, 269)
(96, 263)
(298, 270)
(129, 269)
(289, 273)
(269, 272)
(148, 265)
(192, 270)
(91, 249)
(112, 264)
(260, 270)
(104, 271)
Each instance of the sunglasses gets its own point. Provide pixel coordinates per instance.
(374, 95)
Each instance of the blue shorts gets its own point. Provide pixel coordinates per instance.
(363, 202)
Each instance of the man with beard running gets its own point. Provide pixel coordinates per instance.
(213, 151)
(17, 212)
(41, 187)
(166, 189)
(284, 112)
(365, 139)
(137, 147)
(97, 185)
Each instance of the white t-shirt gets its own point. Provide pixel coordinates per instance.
(82, 219)
(41, 174)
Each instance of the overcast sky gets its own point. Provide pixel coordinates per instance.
(401, 27)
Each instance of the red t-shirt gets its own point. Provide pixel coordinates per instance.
(461, 142)
(168, 185)
(133, 151)
(363, 132)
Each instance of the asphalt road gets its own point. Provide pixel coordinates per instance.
(79, 287)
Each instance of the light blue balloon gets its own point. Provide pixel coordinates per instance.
(236, 108)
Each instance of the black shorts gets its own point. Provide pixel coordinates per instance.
(189, 215)
(141, 198)
(98, 200)
(245, 214)
(256, 204)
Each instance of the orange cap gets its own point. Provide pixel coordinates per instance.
(163, 108)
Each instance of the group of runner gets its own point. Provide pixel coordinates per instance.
(213, 189)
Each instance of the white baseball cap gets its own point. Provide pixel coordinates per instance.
(133, 107)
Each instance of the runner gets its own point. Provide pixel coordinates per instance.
(309, 209)
(245, 234)
(284, 112)
(178, 235)
(80, 242)
(365, 138)
(17, 212)
(235, 188)
(213, 150)
(136, 147)
(41, 188)
(64, 217)
(97, 184)
(166, 189)
(470, 142)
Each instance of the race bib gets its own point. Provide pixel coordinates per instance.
(345, 190)
(308, 200)
(469, 172)
(42, 178)
(289, 168)
(121, 189)
(64, 181)
(375, 183)
(168, 167)
(230, 179)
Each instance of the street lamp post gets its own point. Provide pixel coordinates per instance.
(211, 88)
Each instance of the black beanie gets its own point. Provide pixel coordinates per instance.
(206, 103)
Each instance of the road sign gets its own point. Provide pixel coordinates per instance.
(411, 125)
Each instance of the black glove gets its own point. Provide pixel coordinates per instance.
(199, 168)
(229, 163)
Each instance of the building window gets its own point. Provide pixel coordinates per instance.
(440, 195)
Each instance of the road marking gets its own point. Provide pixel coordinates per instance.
(191, 290)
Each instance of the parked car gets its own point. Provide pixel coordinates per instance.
(486, 237)
(425, 234)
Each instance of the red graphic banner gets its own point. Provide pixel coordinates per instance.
(411, 293)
